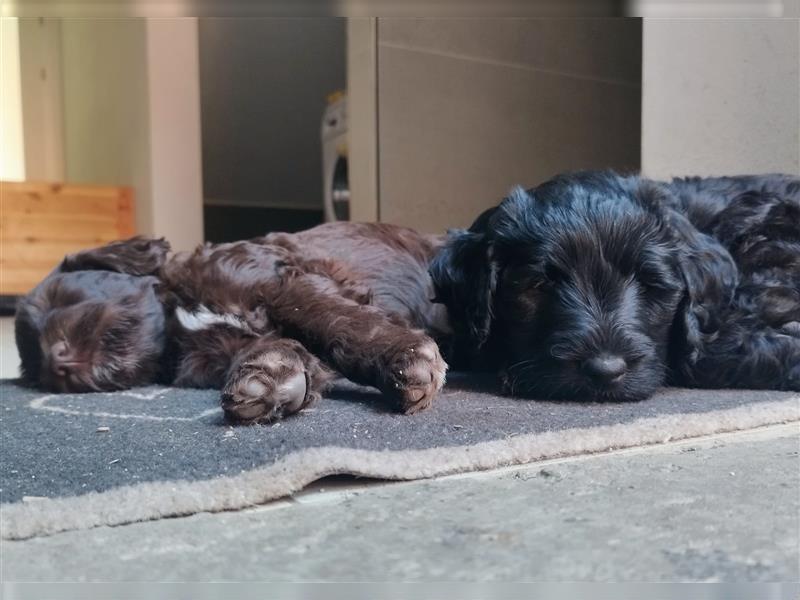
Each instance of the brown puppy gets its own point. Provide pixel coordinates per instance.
(267, 320)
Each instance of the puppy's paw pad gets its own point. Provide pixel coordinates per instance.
(253, 396)
(292, 392)
(418, 373)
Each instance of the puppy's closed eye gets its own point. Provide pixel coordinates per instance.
(657, 282)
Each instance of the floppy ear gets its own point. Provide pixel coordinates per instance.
(135, 256)
(708, 271)
(711, 277)
(464, 278)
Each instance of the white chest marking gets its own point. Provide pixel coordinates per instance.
(203, 318)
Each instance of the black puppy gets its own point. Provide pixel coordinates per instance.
(599, 286)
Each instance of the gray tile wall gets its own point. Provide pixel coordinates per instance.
(721, 96)
(469, 107)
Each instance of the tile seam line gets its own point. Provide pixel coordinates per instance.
(508, 64)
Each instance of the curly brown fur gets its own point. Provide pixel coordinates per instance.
(91, 330)
(268, 321)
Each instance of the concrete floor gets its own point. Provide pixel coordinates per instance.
(722, 508)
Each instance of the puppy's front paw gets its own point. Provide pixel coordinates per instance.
(416, 374)
(268, 387)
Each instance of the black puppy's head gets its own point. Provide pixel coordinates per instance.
(93, 330)
(573, 287)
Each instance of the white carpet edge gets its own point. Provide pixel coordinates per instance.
(155, 500)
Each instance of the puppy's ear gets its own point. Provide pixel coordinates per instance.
(135, 256)
(708, 271)
(465, 277)
(710, 277)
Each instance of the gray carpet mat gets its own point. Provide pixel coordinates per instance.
(83, 460)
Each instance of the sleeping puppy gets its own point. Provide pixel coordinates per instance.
(96, 322)
(268, 321)
(597, 286)
(589, 286)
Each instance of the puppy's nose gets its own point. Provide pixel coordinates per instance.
(606, 369)
(62, 358)
(59, 349)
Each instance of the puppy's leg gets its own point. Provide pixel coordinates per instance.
(405, 364)
(363, 343)
(744, 354)
(272, 378)
(766, 360)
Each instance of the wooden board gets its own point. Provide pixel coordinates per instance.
(41, 222)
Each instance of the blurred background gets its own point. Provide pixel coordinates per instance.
(214, 129)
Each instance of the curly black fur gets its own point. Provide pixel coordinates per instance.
(595, 285)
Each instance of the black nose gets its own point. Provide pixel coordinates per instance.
(62, 358)
(605, 369)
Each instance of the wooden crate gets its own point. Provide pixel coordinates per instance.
(41, 222)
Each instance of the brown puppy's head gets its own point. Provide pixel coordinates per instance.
(90, 331)
(95, 323)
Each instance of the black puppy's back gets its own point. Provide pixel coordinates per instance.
(702, 199)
